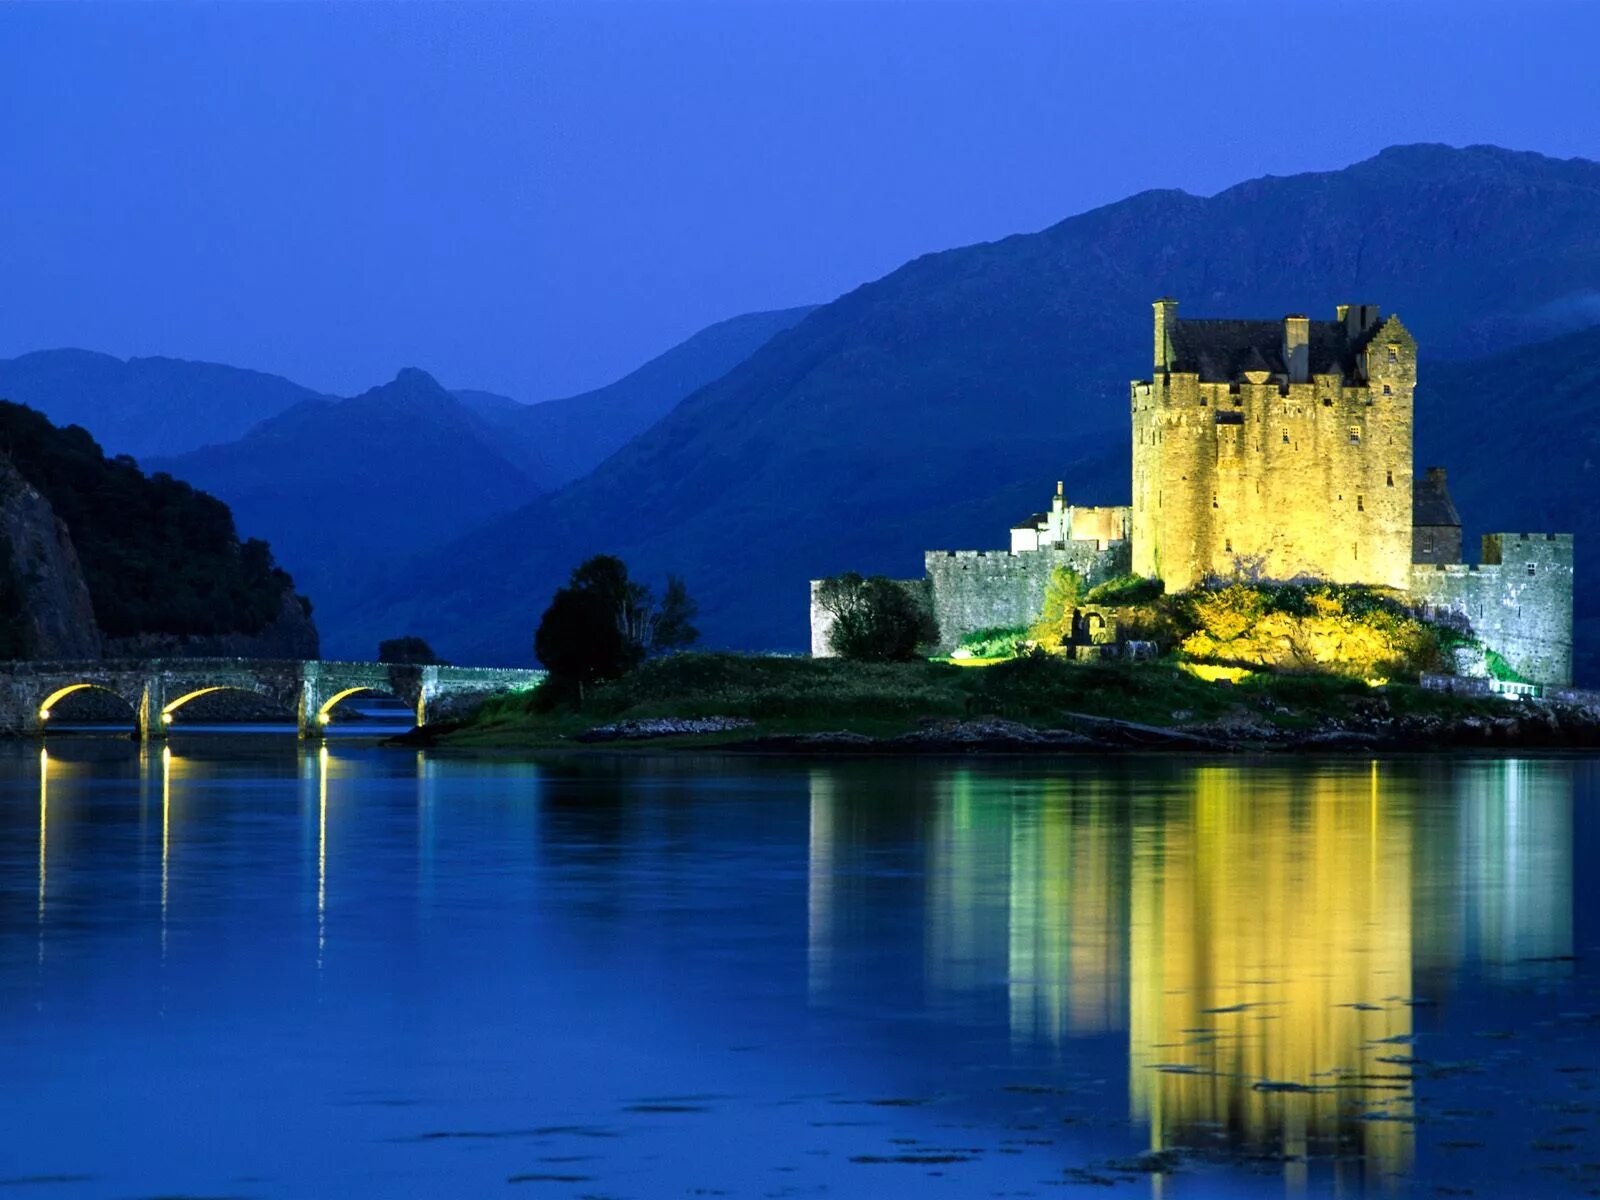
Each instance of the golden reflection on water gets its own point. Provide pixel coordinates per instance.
(1256, 932)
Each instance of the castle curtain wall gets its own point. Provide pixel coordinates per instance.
(1518, 601)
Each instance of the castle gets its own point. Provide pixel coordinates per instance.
(1273, 450)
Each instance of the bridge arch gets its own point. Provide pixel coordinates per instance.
(171, 707)
(324, 714)
(61, 693)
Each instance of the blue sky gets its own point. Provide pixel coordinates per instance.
(535, 197)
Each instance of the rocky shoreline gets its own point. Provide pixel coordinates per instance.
(1525, 725)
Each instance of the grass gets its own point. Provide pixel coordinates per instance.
(801, 695)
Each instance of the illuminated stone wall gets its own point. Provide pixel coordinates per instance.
(977, 589)
(1518, 600)
(1280, 479)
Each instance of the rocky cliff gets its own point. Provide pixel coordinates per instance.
(46, 609)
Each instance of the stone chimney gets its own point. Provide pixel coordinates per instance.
(1357, 318)
(1166, 319)
(1297, 348)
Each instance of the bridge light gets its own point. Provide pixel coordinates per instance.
(166, 718)
(44, 714)
(323, 718)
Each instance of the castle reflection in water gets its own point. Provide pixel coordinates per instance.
(1260, 935)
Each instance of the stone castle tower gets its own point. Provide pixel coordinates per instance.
(1275, 449)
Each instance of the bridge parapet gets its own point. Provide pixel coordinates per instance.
(155, 689)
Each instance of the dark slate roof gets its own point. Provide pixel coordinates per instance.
(1221, 351)
(1430, 500)
(1037, 521)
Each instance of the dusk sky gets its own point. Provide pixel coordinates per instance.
(535, 198)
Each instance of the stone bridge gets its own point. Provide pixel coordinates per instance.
(155, 689)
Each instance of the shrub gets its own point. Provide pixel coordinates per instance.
(1125, 589)
(997, 641)
(1336, 629)
(875, 620)
(1061, 596)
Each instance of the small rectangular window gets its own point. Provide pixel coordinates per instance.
(1394, 352)
(1361, 504)
(1285, 437)
(1213, 500)
(1391, 478)
(1427, 543)
(1227, 545)
(1387, 390)
(1355, 435)
(1533, 568)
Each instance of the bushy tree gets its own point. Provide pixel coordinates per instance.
(1062, 594)
(874, 620)
(409, 649)
(603, 624)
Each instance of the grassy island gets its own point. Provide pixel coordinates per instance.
(1031, 702)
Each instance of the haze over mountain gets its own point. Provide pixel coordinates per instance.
(338, 485)
(146, 406)
(564, 439)
(934, 406)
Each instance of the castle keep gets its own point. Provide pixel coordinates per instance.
(1274, 450)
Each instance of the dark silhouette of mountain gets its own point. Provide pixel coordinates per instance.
(158, 561)
(561, 440)
(1519, 434)
(146, 406)
(339, 485)
(936, 405)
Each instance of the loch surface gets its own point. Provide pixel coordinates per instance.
(235, 967)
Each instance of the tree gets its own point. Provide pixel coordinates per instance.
(409, 649)
(1062, 593)
(874, 620)
(578, 640)
(603, 624)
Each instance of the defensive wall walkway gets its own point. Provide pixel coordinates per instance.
(155, 689)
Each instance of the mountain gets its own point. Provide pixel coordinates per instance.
(341, 484)
(561, 440)
(1519, 434)
(934, 406)
(146, 406)
(95, 555)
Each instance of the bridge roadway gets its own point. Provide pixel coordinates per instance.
(155, 689)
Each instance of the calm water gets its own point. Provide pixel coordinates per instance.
(234, 969)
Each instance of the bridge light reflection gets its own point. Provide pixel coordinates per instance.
(44, 838)
(322, 853)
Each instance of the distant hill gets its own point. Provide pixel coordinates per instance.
(146, 406)
(561, 440)
(341, 484)
(160, 562)
(934, 406)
